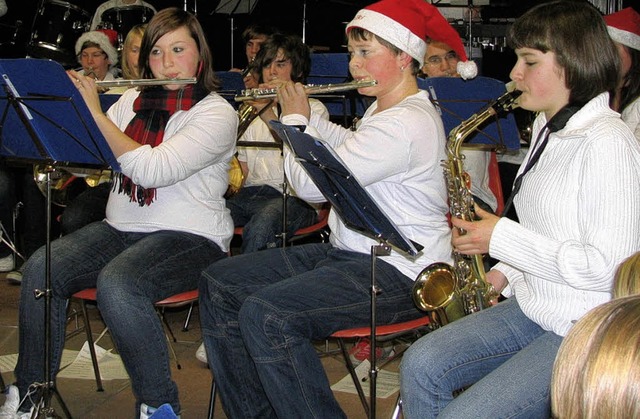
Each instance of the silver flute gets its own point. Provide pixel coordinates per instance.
(310, 89)
(144, 82)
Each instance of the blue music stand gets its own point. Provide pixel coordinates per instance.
(456, 100)
(43, 117)
(355, 207)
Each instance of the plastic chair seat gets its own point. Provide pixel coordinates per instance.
(174, 301)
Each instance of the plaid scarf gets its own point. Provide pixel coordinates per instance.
(153, 108)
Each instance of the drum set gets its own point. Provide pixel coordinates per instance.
(58, 24)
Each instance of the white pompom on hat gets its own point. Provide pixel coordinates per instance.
(407, 24)
(101, 38)
(624, 27)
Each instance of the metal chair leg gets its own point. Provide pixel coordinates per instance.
(92, 349)
(212, 399)
(354, 376)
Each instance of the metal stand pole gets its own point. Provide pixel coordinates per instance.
(381, 249)
(42, 406)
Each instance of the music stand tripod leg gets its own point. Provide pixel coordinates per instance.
(42, 405)
(381, 249)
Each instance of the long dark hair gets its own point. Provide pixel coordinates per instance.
(168, 20)
(631, 81)
(577, 34)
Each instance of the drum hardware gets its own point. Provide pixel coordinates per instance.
(56, 27)
(123, 18)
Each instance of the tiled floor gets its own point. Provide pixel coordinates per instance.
(194, 379)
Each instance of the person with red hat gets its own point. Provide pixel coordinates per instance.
(624, 29)
(577, 202)
(97, 55)
(261, 313)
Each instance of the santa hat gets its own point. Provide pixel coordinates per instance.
(624, 27)
(99, 37)
(407, 24)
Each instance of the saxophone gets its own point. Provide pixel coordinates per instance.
(453, 291)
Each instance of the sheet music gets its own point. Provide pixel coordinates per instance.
(387, 382)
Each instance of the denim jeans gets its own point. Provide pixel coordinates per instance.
(131, 271)
(506, 358)
(260, 314)
(258, 209)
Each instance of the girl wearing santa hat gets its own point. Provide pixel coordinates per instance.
(578, 205)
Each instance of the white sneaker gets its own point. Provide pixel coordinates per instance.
(6, 263)
(9, 409)
(201, 354)
(164, 411)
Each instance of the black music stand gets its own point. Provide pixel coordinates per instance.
(355, 207)
(232, 8)
(43, 118)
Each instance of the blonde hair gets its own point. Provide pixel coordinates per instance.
(130, 71)
(597, 370)
(627, 279)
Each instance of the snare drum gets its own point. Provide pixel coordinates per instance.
(123, 19)
(56, 27)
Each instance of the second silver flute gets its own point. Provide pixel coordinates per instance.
(144, 82)
(310, 89)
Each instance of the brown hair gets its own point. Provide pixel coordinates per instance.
(168, 20)
(627, 278)
(577, 34)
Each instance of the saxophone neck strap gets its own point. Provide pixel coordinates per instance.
(556, 123)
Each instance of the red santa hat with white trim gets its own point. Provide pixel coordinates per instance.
(624, 27)
(407, 24)
(103, 37)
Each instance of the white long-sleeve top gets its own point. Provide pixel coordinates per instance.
(189, 170)
(265, 164)
(579, 212)
(395, 155)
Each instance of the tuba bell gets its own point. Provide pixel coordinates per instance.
(453, 291)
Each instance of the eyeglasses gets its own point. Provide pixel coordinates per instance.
(436, 60)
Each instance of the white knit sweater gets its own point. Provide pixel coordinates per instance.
(579, 211)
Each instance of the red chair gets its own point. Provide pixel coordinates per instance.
(384, 333)
(175, 301)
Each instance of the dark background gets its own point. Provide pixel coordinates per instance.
(324, 22)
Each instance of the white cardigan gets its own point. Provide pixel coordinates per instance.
(579, 211)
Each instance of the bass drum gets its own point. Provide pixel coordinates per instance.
(123, 19)
(56, 28)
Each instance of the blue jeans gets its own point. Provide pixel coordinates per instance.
(506, 358)
(258, 209)
(131, 271)
(260, 313)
